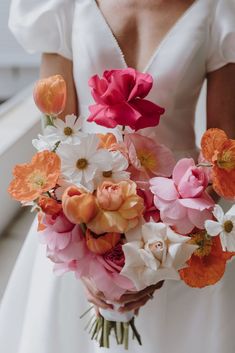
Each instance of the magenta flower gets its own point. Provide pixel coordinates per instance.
(119, 97)
(183, 201)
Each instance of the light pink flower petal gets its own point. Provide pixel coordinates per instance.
(198, 218)
(199, 203)
(174, 211)
(181, 168)
(164, 188)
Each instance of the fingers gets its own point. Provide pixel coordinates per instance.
(95, 296)
(134, 305)
(129, 297)
(96, 300)
(136, 300)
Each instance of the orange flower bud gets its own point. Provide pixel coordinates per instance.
(103, 243)
(79, 206)
(49, 205)
(50, 95)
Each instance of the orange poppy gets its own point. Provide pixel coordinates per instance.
(35, 178)
(211, 141)
(208, 263)
(220, 151)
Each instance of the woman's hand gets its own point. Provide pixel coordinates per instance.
(94, 296)
(128, 301)
(134, 300)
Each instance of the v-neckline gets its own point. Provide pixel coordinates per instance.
(160, 44)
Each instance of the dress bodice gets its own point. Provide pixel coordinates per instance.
(202, 40)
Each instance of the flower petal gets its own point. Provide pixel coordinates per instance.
(213, 228)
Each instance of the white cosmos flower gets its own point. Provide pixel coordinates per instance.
(154, 252)
(224, 227)
(44, 142)
(80, 162)
(115, 171)
(67, 131)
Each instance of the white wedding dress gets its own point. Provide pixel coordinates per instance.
(40, 312)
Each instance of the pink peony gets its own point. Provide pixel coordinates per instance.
(148, 158)
(58, 232)
(119, 97)
(183, 201)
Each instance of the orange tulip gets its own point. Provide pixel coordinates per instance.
(120, 208)
(103, 243)
(79, 206)
(50, 95)
(207, 265)
(35, 178)
(49, 205)
(220, 152)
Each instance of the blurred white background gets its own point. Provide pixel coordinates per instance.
(19, 123)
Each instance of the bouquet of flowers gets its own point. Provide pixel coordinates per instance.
(116, 208)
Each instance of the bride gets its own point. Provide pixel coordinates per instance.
(180, 43)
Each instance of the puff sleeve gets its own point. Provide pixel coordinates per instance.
(43, 25)
(221, 43)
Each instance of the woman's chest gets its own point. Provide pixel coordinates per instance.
(139, 27)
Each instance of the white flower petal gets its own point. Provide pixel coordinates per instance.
(149, 259)
(70, 120)
(213, 228)
(218, 213)
(154, 231)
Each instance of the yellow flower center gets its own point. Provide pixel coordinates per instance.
(203, 241)
(82, 163)
(37, 180)
(226, 160)
(107, 174)
(228, 226)
(68, 131)
(147, 159)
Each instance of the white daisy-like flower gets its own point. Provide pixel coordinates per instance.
(68, 131)
(224, 227)
(80, 162)
(116, 171)
(44, 142)
(154, 252)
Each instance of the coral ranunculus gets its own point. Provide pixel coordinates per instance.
(220, 151)
(78, 205)
(207, 265)
(119, 97)
(100, 245)
(50, 95)
(120, 208)
(35, 178)
(49, 205)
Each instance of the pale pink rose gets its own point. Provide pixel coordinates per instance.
(148, 158)
(183, 201)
